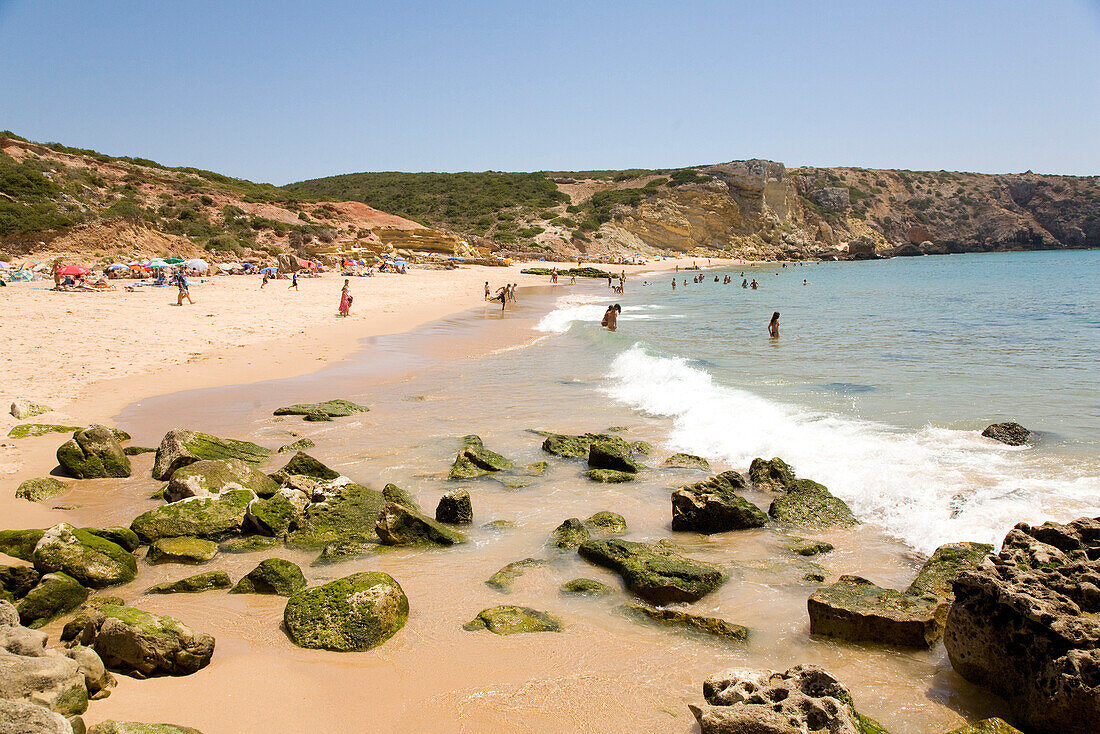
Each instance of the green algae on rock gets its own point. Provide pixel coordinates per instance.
(513, 620)
(202, 517)
(329, 409)
(214, 476)
(138, 450)
(117, 534)
(686, 461)
(856, 610)
(90, 559)
(474, 460)
(349, 511)
(714, 506)
(181, 550)
(610, 476)
(55, 595)
(141, 644)
(351, 614)
(455, 508)
(272, 576)
(657, 574)
(393, 493)
(300, 445)
(574, 447)
(345, 550)
(40, 488)
(33, 430)
(20, 543)
(948, 561)
(987, 726)
(248, 544)
(807, 504)
(770, 474)
(570, 534)
(207, 581)
(803, 547)
(136, 727)
(181, 447)
(304, 465)
(642, 447)
(400, 525)
(17, 581)
(1009, 433)
(694, 622)
(612, 455)
(503, 579)
(275, 515)
(586, 587)
(606, 521)
(93, 452)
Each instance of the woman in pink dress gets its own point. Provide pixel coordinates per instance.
(345, 299)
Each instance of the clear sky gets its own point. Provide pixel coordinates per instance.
(282, 91)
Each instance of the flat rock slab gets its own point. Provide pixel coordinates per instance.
(807, 504)
(182, 550)
(658, 575)
(856, 610)
(214, 517)
(513, 620)
(712, 626)
(200, 582)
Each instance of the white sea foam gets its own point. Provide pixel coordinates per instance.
(927, 487)
(571, 309)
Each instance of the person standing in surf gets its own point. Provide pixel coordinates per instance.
(773, 326)
(611, 317)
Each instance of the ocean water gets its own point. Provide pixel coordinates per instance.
(880, 383)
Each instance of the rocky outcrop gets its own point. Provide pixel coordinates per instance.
(807, 504)
(200, 582)
(272, 576)
(400, 525)
(325, 411)
(686, 461)
(212, 517)
(714, 506)
(355, 613)
(803, 699)
(275, 515)
(342, 511)
(40, 489)
(474, 460)
(90, 559)
(182, 550)
(1026, 625)
(181, 447)
(711, 626)
(56, 594)
(1012, 434)
(304, 465)
(570, 534)
(455, 508)
(93, 452)
(209, 477)
(770, 475)
(513, 620)
(612, 455)
(657, 574)
(142, 645)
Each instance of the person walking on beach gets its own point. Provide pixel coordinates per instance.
(293, 281)
(773, 326)
(488, 292)
(345, 299)
(512, 293)
(265, 280)
(554, 275)
(573, 279)
(181, 283)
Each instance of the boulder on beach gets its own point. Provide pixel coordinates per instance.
(18, 580)
(400, 525)
(570, 534)
(610, 476)
(455, 508)
(574, 447)
(200, 582)
(770, 474)
(248, 544)
(606, 521)
(138, 727)
(142, 645)
(503, 579)
(181, 550)
(474, 460)
(90, 559)
(512, 620)
(23, 408)
(714, 506)
(275, 515)
(209, 477)
(272, 576)
(686, 461)
(1025, 624)
(213, 517)
(20, 543)
(40, 489)
(53, 682)
(56, 594)
(349, 511)
(613, 455)
(807, 504)
(304, 465)
(351, 614)
(393, 493)
(72, 629)
(856, 610)
(23, 717)
(329, 409)
(685, 620)
(586, 587)
(1009, 433)
(181, 447)
(658, 575)
(804, 698)
(117, 534)
(93, 452)
(300, 445)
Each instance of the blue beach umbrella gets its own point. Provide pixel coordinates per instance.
(269, 270)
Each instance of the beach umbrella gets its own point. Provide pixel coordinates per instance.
(269, 270)
(349, 263)
(115, 266)
(173, 260)
(4, 266)
(196, 264)
(73, 270)
(158, 263)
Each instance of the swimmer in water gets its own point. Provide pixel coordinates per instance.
(773, 326)
(611, 317)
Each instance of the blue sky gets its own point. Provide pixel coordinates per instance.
(282, 91)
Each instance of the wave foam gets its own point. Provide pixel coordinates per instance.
(927, 487)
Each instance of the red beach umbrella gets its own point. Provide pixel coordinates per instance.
(73, 270)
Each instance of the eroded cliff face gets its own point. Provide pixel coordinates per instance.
(760, 209)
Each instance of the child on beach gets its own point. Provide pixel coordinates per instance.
(345, 299)
(293, 281)
(185, 292)
(487, 291)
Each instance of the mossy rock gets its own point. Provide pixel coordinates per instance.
(513, 620)
(455, 508)
(770, 474)
(55, 595)
(714, 506)
(643, 448)
(93, 452)
(351, 511)
(807, 504)
(208, 581)
(503, 579)
(276, 515)
(612, 455)
(141, 644)
(20, 543)
(345, 550)
(182, 550)
(686, 461)
(586, 587)
(499, 526)
(91, 560)
(329, 409)
(209, 477)
(272, 576)
(304, 465)
(118, 535)
(570, 534)
(855, 610)
(803, 547)
(401, 525)
(181, 447)
(355, 613)
(657, 574)
(138, 450)
(575, 446)
(17, 581)
(248, 544)
(610, 476)
(136, 727)
(212, 518)
(300, 445)
(474, 460)
(79, 621)
(393, 493)
(988, 726)
(607, 522)
(711, 626)
(40, 489)
(33, 430)
(948, 561)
